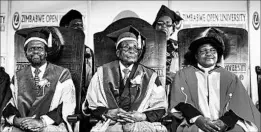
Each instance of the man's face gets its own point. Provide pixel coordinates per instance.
(206, 55)
(76, 24)
(128, 52)
(35, 53)
(165, 24)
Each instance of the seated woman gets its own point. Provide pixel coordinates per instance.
(208, 96)
(123, 94)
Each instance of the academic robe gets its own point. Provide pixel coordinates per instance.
(142, 93)
(56, 99)
(234, 100)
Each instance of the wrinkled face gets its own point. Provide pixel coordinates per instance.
(35, 53)
(128, 52)
(76, 24)
(206, 55)
(165, 24)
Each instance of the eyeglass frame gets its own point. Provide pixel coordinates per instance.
(205, 51)
(163, 23)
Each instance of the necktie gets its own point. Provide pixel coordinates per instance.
(126, 72)
(36, 76)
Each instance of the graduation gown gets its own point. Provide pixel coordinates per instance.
(56, 99)
(233, 97)
(107, 92)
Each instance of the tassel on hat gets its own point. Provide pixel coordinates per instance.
(50, 39)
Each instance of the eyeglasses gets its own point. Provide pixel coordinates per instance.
(205, 51)
(128, 48)
(40, 49)
(166, 24)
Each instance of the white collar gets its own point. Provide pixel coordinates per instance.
(122, 67)
(206, 70)
(41, 68)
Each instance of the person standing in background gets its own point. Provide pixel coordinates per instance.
(166, 21)
(73, 19)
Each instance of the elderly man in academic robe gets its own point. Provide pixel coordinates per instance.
(123, 94)
(43, 94)
(210, 98)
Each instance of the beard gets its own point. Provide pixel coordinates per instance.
(36, 59)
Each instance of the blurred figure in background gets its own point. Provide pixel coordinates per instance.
(73, 19)
(5, 92)
(166, 21)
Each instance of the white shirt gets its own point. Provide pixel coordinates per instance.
(206, 70)
(122, 67)
(42, 69)
(47, 120)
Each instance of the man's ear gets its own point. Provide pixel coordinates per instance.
(140, 53)
(196, 56)
(118, 53)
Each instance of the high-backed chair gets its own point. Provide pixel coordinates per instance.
(153, 57)
(67, 50)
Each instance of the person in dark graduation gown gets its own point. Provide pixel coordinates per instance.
(43, 94)
(209, 97)
(74, 19)
(123, 94)
(5, 92)
(166, 21)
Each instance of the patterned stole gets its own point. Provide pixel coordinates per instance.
(113, 86)
(29, 101)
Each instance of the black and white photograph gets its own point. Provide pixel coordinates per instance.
(130, 66)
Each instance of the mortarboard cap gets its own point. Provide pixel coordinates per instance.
(211, 35)
(165, 11)
(128, 33)
(69, 16)
(41, 35)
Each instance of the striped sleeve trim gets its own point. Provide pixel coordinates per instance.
(65, 76)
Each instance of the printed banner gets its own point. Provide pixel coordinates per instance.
(35, 19)
(204, 19)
